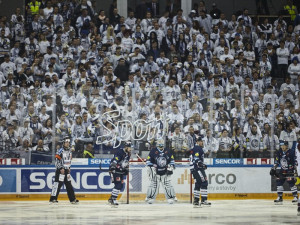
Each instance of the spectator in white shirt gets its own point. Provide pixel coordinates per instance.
(294, 70)
(282, 58)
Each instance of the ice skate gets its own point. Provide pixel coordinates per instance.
(206, 203)
(150, 201)
(278, 201)
(171, 201)
(110, 200)
(74, 202)
(196, 203)
(298, 211)
(53, 202)
(295, 200)
(114, 203)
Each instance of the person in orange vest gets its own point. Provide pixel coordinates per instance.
(291, 9)
(34, 6)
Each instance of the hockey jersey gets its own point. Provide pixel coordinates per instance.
(286, 160)
(225, 143)
(160, 159)
(297, 158)
(196, 157)
(254, 142)
(63, 158)
(121, 160)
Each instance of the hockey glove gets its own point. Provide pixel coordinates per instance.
(201, 165)
(112, 167)
(170, 169)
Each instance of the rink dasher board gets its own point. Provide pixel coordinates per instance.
(26, 181)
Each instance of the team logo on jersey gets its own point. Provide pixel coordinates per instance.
(284, 163)
(161, 161)
(254, 143)
(125, 163)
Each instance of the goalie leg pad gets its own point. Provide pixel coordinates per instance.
(153, 188)
(151, 172)
(167, 185)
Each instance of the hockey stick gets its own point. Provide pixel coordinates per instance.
(137, 155)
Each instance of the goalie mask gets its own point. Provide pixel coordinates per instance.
(160, 144)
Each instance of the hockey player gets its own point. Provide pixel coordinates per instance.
(118, 169)
(285, 161)
(198, 170)
(297, 153)
(63, 160)
(160, 163)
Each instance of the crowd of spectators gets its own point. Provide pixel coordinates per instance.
(66, 70)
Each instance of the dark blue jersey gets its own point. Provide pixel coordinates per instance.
(160, 159)
(196, 157)
(120, 162)
(286, 160)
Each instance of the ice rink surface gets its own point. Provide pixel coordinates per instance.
(222, 212)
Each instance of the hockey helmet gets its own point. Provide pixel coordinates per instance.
(284, 142)
(128, 144)
(199, 139)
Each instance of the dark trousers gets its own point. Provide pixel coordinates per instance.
(282, 71)
(61, 179)
(201, 179)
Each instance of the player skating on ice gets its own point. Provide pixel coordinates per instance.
(284, 171)
(297, 152)
(160, 164)
(198, 168)
(118, 169)
(63, 160)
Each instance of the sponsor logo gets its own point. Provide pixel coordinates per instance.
(228, 161)
(212, 178)
(221, 178)
(98, 161)
(41, 180)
